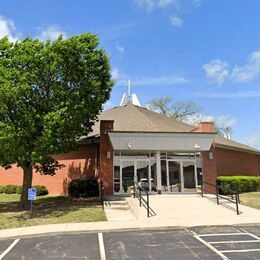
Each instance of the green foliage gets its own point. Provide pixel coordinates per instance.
(10, 189)
(50, 95)
(17, 189)
(240, 183)
(41, 190)
(2, 189)
(83, 188)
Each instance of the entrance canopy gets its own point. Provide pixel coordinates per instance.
(154, 141)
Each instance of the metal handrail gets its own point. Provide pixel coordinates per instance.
(217, 187)
(143, 199)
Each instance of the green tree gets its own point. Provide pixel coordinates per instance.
(50, 95)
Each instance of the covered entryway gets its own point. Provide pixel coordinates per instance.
(162, 162)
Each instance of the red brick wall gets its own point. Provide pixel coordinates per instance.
(228, 162)
(231, 162)
(77, 164)
(209, 169)
(105, 163)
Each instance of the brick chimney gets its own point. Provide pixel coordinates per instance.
(205, 127)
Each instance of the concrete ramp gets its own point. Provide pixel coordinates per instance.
(192, 210)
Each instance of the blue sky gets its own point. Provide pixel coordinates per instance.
(206, 51)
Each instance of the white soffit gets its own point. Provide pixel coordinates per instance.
(161, 141)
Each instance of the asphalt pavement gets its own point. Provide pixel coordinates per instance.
(204, 242)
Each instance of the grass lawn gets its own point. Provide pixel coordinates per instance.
(250, 199)
(49, 210)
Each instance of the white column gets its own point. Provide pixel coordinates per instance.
(135, 171)
(158, 171)
(149, 176)
(167, 176)
(182, 177)
(195, 173)
(121, 177)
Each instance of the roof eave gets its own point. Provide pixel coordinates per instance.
(233, 148)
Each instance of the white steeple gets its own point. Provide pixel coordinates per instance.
(129, 98)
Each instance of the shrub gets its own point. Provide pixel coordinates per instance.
(2, 189)
(10, 189)
(19, 189)
(83, 188)
(41, 190)
(239, 183)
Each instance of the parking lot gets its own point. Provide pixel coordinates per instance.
(215, 242)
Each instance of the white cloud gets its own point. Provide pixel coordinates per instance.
(109, 104)
(165, 80)
(120, 48)
(115, 73)
(248, 72)
(160, 81)
(151, 5)
(226, 121)
(7, 28)
(254, 141)
(238, 94)
(196, 3)
(216, 70)
(176, 21)
(52, 32)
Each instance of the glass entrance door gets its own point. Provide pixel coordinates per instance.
(139, 171)
(174, 169)
(127, 175)
(189, 180)
(180, 176)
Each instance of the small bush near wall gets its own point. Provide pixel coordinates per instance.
(41, 190)
(2, 189)
(83, 188)
(12, 189)
(240, 183)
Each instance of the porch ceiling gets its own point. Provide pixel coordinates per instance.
(181, 142)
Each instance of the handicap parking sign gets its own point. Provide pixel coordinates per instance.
(32, 194)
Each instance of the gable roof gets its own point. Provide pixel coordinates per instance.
(139, 119)
(131, 118)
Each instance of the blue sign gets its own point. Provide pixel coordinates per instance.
(32, 194)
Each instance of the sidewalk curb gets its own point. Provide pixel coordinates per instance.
(65, 230)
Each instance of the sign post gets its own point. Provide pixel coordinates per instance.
(31, 197)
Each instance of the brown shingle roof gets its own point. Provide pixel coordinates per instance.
(221, 141)
(139, 119)
(134, 118)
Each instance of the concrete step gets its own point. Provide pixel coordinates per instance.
(116, 205)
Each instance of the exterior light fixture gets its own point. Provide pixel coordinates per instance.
(196, 146)
(129, 145)
(211, 155)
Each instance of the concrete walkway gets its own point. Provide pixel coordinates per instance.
(171, 210)
(193, 210)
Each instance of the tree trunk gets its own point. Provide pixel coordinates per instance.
(27, 183)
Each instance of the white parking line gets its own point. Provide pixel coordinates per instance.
(235, 241)
(101, 246)
(241, 251)
(224, 234)
(9, 248)
(209, 246)
(221, 253)
(252, 235)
